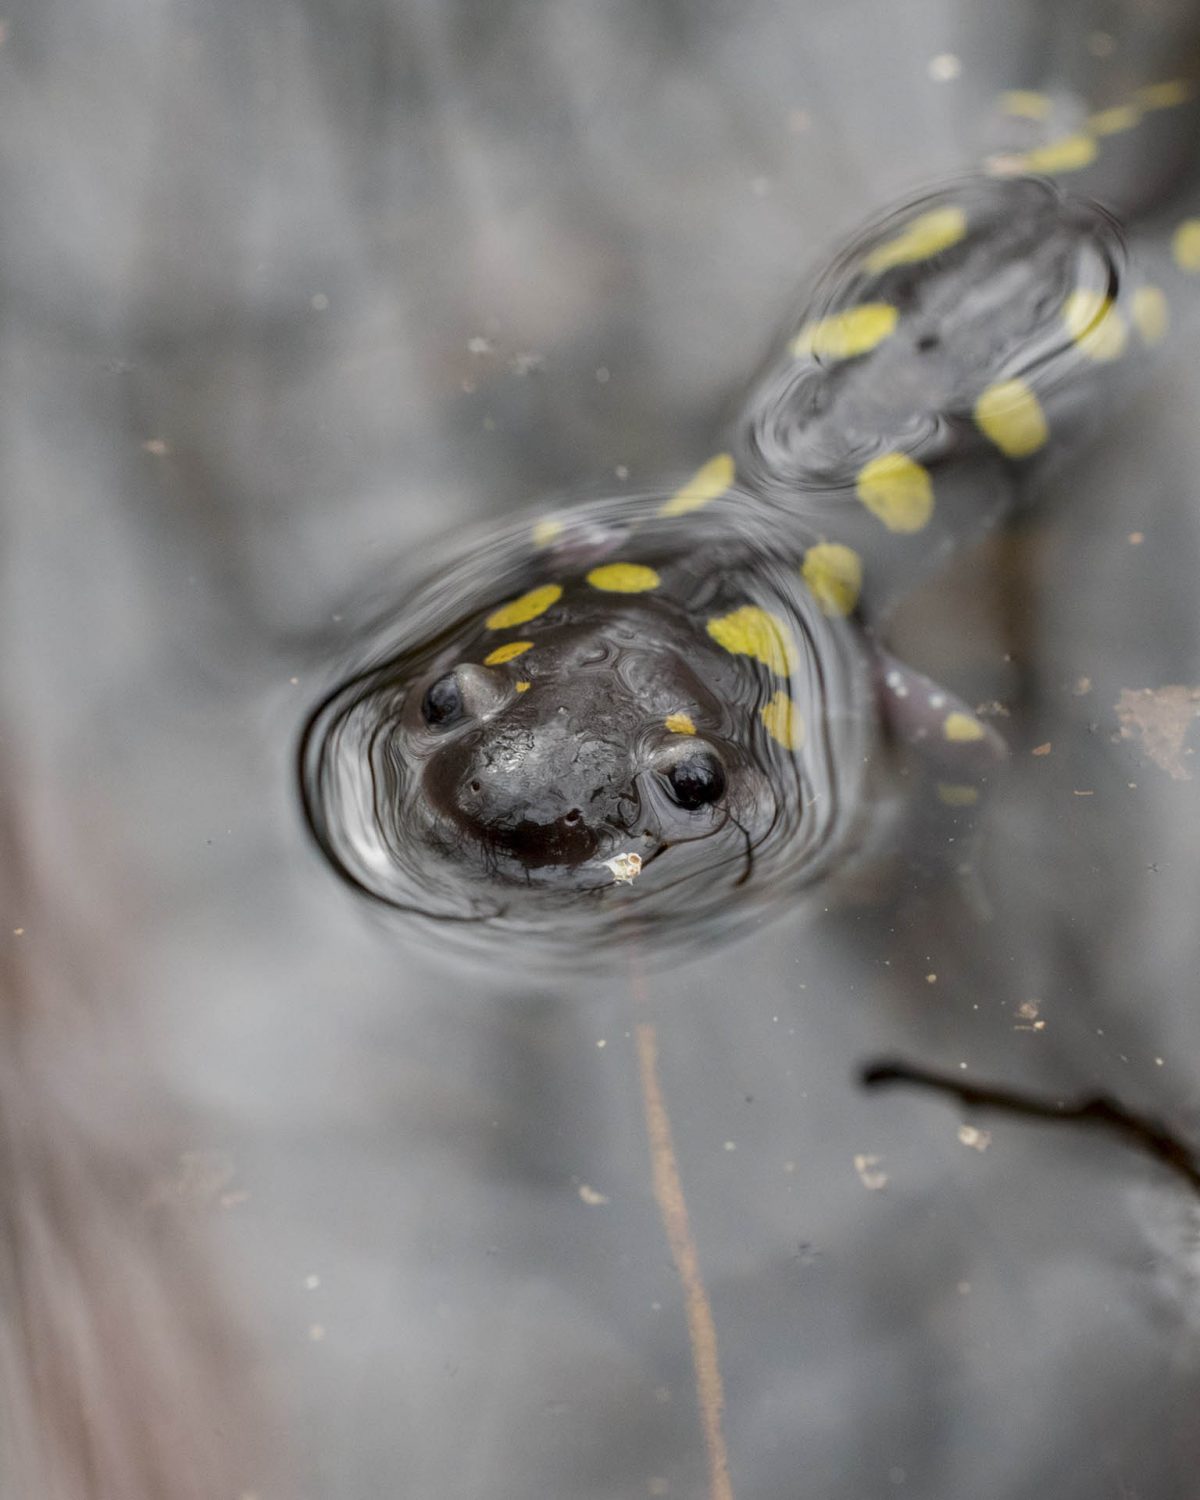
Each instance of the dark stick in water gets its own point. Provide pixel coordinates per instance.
(1145, 1132)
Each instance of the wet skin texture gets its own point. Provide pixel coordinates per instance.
(685, 693)
(580, 765)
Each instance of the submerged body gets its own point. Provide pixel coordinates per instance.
(674, 707)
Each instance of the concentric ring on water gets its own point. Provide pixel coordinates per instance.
(984, 306)
(792, 809)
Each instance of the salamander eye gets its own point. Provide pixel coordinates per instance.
(696, 781)
(443, 701)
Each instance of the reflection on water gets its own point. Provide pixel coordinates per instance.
(290, 292)
(531, 715)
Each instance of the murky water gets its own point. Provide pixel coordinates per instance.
(304, 1202)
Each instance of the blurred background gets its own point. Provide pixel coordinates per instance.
(299, 1206)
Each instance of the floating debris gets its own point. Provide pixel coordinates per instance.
(869, 1173)
(625, 868)
(1159, 718)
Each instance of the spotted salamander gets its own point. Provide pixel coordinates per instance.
(675, 707)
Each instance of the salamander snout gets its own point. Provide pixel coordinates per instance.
(545, 793)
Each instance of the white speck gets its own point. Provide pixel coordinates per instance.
(590, 1196)
(945, 67)
(895, 681)
(760, 186)
(869, 1173)
(602, 375)
(621, 472)
(978, 1140)
(320, 302)
(731, 1145)
(937, 700)
(311, 1282)
(479, 345)
(799, 121)
(625, 868)
(526, 364)
(316, 1332)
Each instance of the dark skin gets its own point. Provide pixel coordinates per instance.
(548, 783)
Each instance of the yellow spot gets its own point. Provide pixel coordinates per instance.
(844, 334)
(527, 607)
(962, 728)
(523, 687)
(546, 531)
(1068, 154)
(1165, 95)
(1150, 313)
(925, 236)
(509, 652)
(624, 578)
(783, 721)
(1113, 121)
(751, 631)
(1095, 324)
(1185, 245)
(1011, 416)
(708, 483)
(898, 490)
(679, 724)
(1026, 103)
(834, 575)
(957, 796)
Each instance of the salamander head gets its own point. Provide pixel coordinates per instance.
(554, 741)
(606, 736)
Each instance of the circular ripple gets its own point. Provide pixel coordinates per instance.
(713, 722)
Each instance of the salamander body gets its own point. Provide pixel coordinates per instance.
(668, 708)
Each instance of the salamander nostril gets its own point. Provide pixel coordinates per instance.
(573, 816)
(476, 787)
(927, 341)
